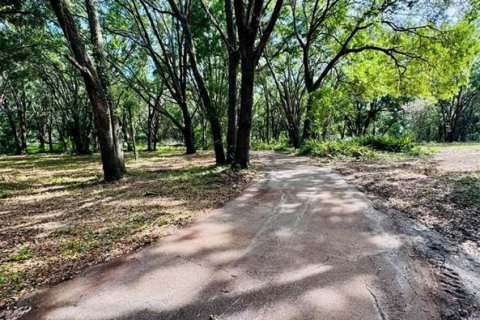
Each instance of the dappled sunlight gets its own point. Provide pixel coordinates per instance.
(58, 207)
(386, 241)
(293, 243)
(164, 202)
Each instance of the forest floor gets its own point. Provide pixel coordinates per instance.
(57, 217)
(441, 190)
(299, 243)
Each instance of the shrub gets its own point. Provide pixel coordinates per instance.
(335, 148)
(388, 143)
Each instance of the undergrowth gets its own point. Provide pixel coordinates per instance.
(361, 147)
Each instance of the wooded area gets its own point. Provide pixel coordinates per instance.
(81, 77)
(123, 122)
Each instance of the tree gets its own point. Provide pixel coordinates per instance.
(328, 31)
(248, 17)
(159, 36)
(229, 38)
(96, 83)
(183, 16)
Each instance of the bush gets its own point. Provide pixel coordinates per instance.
(336, 148)
(388, 143)
(361, 147)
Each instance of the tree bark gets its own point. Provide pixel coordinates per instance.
(188, 134)
(245, 117)
(233, 62)
(248, 20)
(113, 167)
(307, 123)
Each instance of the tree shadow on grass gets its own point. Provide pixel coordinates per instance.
(297, 245)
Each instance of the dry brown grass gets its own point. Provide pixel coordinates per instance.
(57, 216)
(442, 191)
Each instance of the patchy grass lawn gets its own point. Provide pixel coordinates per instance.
(442, 190)
(57, 216)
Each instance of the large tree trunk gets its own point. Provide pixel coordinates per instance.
(22, 123)
(112, 160)
(101, 69)
(294, 137)
(13, 128)
(248, 29)
(150, 128)
(245, 116)
(307, 123)
(50, 138)
(233, 62)
(132, 132)
(188, 134)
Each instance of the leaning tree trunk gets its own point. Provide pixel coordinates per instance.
(113, 166)
(101, 68)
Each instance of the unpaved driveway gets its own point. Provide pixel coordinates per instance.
(458, 158)
(299, 244)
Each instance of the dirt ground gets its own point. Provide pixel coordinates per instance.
(57, 217)
(442, 190)
(300, 243)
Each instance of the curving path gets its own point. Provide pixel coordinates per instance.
(299, 244)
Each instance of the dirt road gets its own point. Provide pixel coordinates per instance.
(300, 243)
(458, 158)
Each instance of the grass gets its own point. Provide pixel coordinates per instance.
(21, 255)
(453, 145)
(11, 278)
(59, 217)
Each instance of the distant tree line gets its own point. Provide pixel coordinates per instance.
(84, 76)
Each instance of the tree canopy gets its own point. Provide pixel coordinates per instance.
(87, 76)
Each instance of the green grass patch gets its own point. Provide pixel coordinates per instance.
(5, 194)
(73, 246)
(21, 255)
(11, 278)
(277, 146)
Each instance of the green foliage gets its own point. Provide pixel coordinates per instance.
(361, 147)
(21, 255)
(335, 148)
(388, 143)
(11, 278)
